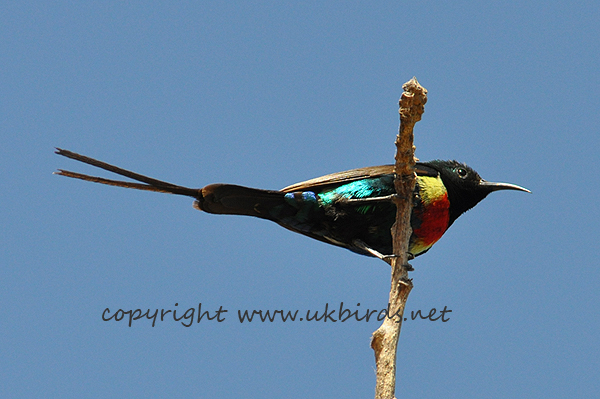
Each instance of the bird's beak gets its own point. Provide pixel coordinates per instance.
(501, 186)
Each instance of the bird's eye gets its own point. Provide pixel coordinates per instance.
(462, 173)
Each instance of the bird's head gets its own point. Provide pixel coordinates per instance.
(465, 187)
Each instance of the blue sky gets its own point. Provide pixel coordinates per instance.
(265, 95)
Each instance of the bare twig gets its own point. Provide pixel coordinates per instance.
(385, 339)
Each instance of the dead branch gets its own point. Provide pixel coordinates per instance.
(385, 339)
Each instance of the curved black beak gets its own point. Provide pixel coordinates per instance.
(501, 186)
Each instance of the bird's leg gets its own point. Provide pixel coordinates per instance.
(359, 201)
(386, 258)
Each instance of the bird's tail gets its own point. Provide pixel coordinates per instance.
(226, 199)
(150, 183)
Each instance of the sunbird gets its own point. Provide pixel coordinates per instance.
(351, 209)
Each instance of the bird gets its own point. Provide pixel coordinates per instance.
(351, 209)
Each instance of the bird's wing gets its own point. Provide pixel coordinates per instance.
(336, 179)
(322, 183)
